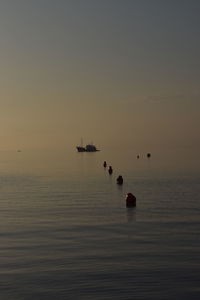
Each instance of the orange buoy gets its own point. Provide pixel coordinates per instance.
(110, 170)
(120, 179)
(130, 200)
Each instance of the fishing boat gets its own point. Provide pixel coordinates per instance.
(87, 148)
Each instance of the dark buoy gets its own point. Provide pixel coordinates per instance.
(138, 156)
(110, 170)
(105, 164)
(148, 155)
(120, 180)
(130, 200)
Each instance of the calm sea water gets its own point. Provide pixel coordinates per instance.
(65, 232)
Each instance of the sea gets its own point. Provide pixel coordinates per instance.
(65, 231)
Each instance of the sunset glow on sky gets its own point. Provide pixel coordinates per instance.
(115, 72)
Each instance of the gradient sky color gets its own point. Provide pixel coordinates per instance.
(120, 73)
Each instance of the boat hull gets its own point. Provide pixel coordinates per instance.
(88, 148)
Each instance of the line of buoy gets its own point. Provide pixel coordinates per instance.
(130, 198)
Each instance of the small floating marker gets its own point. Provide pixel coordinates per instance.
(130, 200)
(110, 170)
(120, 180)
(138, 156)
(105, 164)
(148, 155)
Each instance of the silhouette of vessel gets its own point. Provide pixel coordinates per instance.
(87, 148)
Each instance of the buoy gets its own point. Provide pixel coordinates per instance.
(138, 156)
(148, 155)
(110, 170)
(120, 180)
(130, 200)
(105, 164)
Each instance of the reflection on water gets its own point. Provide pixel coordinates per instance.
(65, 231)
(131, 214)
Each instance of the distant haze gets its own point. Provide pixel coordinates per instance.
(123, 74)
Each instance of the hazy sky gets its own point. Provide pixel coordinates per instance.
(118, 72)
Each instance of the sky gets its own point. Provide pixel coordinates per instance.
(120, 73)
